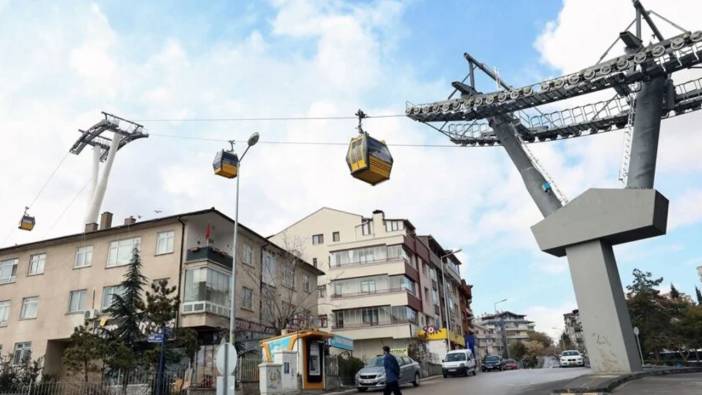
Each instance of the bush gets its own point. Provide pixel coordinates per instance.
(348, 367)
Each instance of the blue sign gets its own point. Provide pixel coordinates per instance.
(279, 344)
(341, 342)
(155, 338)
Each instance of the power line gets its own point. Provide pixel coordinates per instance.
(284, 118)
(48, 179)
(283, 142)
(65, 209)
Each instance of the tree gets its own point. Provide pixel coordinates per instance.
(517, 350)
(643, 283)
(565, 342)
(85, 353)
(127, 306)
(699, 296)
(540, 337)
(674, 294)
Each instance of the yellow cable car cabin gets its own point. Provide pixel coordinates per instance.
(27, 222)
(226, 164)
(369, 159)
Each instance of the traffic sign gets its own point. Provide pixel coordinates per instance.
(231, 358)
(155, 338)
(636, 330)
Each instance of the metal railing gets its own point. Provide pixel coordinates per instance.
(336, 265)
(371, 293)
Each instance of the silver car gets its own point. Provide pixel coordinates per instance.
(372, 376)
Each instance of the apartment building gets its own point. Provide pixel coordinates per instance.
(49, 287)
(383, 284)
(574, 329)
(485, 340)
(465, 299)
(505, 328)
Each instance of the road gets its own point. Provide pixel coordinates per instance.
(523, 381)
(678, 384)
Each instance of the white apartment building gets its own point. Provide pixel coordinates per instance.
(383, 284)
(574, 329)
(504, 328)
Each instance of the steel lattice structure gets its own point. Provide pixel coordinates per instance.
(464, 119)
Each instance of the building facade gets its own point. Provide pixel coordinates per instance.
(382, 283)
(49, 287)
(574, 329)
(505, 328)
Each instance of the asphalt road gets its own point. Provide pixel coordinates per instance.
(513, 382)
(678, 384)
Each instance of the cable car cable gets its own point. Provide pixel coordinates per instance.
(65, 209)
(284, 118)
(41, 190)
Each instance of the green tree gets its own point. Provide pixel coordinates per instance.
(674, 293)
(688, 330)
(699, 296)
(127, 306)
(540, 337)
(160, 312)
(565, 343)
(85, 353)
(517, 350)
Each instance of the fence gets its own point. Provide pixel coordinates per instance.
(135, 384)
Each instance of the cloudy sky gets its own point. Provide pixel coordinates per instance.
(63, 63)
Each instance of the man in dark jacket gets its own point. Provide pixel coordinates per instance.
(392, 373)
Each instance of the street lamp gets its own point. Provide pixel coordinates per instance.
(253, 139)
(502, 329)
(446, 309)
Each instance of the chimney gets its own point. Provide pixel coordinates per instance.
(378, 222)
(105, 220)
(91, 227)
(130, 220)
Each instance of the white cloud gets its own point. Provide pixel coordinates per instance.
(549, 319)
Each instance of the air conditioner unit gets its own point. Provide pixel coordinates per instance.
(92, 314)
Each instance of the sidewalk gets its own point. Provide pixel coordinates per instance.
(678, 384)
(610, 383)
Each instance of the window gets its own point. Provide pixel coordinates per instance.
(314, 262)
(366, 228)
(359, 256)
(338, 289)
(317, 239)
(306, 282)
(36, 264)
(84, 256)
(4, 312)
(323, 321)
(392, 226)
(22, 353)
(435, 296)
(77, 300)
(108, 294)
(368, 286)
(207, 290)
(426, 294)
(164, 242)
(289, 276)
(322, 291)
(370, 316)
(8, 271)
(247, 255)
(247, 298)
(339, 319)
(269, 269)
(122, 251)
(29, 308)
(336, 236)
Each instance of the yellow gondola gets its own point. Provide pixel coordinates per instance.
(226, 164)
(369, 159)
(27, 222)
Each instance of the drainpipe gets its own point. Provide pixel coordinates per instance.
(180, 270)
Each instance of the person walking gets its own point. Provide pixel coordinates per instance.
(392, 373)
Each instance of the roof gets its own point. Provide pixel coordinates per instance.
(503, 314)
(430, 241)
(138, 225)
(313, 213)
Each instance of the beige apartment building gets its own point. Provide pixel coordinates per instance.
(383, 284)
(49, 287)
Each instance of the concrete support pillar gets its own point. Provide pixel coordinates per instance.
(545, 198)
(647, 126)
(609, 337)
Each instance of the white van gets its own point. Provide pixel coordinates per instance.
(458, 362)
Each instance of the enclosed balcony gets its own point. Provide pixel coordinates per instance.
(209, 253)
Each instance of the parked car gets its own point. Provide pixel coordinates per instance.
(458, 362)
(510, 364)
(372, 376)
(571, 358)
(491, 362)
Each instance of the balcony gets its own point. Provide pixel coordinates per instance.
(361, 325)
(368, 293)
(209, 253)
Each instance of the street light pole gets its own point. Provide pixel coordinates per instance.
(232, 289)
(446, 309)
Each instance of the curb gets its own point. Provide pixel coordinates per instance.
(605, 384)
(353, 390)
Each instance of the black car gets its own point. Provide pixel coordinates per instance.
(491, 362)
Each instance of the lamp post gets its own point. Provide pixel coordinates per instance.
(502, 329)
(446, 309)
(253, 139)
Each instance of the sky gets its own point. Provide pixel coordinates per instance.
(61, 64)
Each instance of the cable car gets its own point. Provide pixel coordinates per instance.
(27, 222)
(226, 164)
(369, 159)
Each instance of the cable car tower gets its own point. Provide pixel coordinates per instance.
(586, 228)
(105, 148)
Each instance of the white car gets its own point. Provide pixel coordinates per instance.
(571, 358)
(458, 362)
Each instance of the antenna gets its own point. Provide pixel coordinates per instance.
(105, 148)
